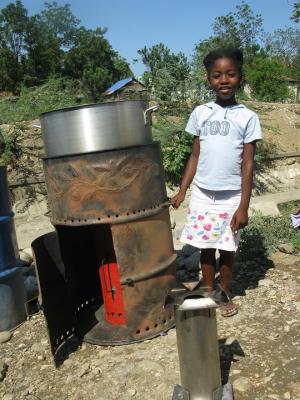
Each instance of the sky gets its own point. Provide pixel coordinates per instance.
(178, 24)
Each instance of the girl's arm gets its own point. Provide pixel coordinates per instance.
(240, 217)
(188, 175)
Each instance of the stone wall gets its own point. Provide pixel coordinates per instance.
(277, 176)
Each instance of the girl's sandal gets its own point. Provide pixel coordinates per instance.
(228, 308)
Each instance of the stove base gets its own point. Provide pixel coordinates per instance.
(93, 328)
(226, 393)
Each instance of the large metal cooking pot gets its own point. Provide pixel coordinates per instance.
(96, 127)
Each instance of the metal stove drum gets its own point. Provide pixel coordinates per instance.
(105, 271)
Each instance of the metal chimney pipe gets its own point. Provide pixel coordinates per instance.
(197, 343)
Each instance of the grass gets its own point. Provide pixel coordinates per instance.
(264, 233)
(55, 94)
(271, 128)
(289, 207)
(296, 240)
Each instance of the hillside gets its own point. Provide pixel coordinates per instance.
(280, 125)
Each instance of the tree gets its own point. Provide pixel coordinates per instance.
(33, 46)
(61, 22)
(167, 73)
(44, 55)
(284, 44)
(239, 29)
(296, 12)
(93, 60)
(10, 71)
(265, 78)
(13, 26)
(48, 35)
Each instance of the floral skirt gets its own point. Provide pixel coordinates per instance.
(208, 221)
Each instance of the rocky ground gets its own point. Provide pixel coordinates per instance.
(259, 347)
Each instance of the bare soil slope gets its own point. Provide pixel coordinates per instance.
(280, 124)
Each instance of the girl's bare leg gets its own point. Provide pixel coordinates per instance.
(208, 268)
(226, 263)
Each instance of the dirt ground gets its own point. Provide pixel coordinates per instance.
(259, 347)
(280, 124)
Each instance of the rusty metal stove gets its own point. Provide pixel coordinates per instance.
(106, 270)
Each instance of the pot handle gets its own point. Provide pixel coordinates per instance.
(148, 112)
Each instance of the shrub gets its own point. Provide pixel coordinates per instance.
(265, 77)
(7, 149)
(55, 94)
(264, 234)
(176, 146)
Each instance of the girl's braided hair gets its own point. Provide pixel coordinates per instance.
(233, 53)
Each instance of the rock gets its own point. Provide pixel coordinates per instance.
(190, 285)
(266, 283)
(31, 287)
(8, 396)
(26, 256)
(37, 348)
(3, 369)
(286, 248)
(294, 387)
(242, 384)
(187, 250)
(84, 369)
(29, 270)
(192, 262)
(5, 336)
(231, 340)
(131, 392)
(235, 371)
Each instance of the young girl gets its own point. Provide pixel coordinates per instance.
(221, 168)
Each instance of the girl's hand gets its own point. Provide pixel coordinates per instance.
(177, 199)
(239, 219)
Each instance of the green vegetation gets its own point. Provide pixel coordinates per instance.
(296, 240)
(265, 77)
(271, 128)
(269, 60)
(52, 44)
(167, 73)
(8, 149)
(176, 145)
(264, 234)
(296, 12)
(289, 207)
(55, 94)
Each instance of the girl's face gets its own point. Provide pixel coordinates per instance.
(224, 78)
